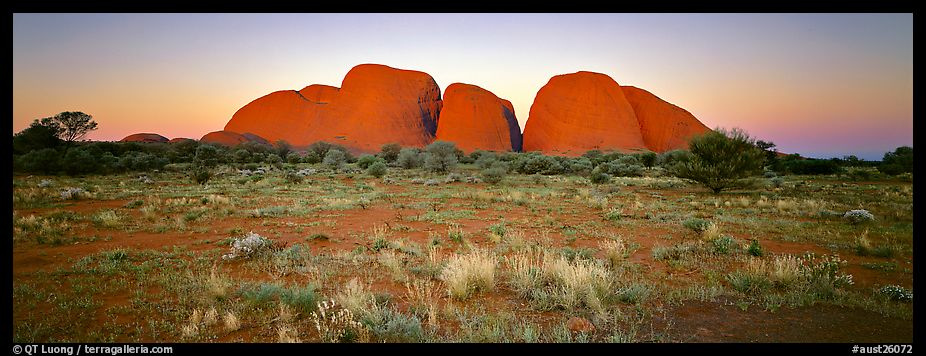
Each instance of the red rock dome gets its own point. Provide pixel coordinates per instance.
(144, 137)
(181, 139)
(476, 119)
(229, 138)
(578, 112)
(375, 105)
(664, 126)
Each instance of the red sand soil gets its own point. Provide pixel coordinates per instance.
(692, 321)
(697, 321)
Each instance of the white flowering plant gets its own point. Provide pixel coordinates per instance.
(248, 246)
(858, 216)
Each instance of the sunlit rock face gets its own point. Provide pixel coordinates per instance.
(664, 126)
(578, 112)
(375, 105)
(475, 119)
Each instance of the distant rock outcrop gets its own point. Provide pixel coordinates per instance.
(144, 137)
(375, 105)
(476, 119)
(229, 138)
(578, 112)
(181, 139)
(664, 126)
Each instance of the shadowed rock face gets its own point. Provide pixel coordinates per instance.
(375, 105)
(664, 126)
(578, 112)
(229, 138)
(476, 119)
(180, 139)
(144, 137)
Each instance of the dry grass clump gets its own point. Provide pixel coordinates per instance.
(422, 294)
(336, 324)
(107, 218)
(711, 232)
(785, 270)
(465, 274)
(553, 280)
(614, 250)
(354, 296)
(231, 322)
(392, 262)
(287, 334)
(210, 317)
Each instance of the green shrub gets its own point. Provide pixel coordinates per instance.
(366, 160)
(390, 152)
(293, 158)
(581, 166)
(897, 162)
(540, 164)
(755, 249)
(377, 169)
(293, 178)
(697, 225)
(409, 158)
(599, 176)
(496, 173)
(721, 160)
(304, 298)
(749, 283)
(46, 161)
(201, 174)
(335, 159)
(723, 244)
(647, 159)
(440, 156)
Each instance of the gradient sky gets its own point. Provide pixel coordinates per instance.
(823, 85)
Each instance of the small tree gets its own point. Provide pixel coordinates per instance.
(366, 160)
(282, 148)
(409, 158)
(721, 160)
(39, 135)
(390, 152)
(335, 159)
(495, 173)
(899, 161)
(377, 169)
(73, 125)
(441, 156)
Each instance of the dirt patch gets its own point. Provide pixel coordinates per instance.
(697, 321)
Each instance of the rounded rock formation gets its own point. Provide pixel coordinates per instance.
(578, 112)
(144, 137)
(664, 126)
(476, 119)
(375, 105)
(181, 139)
(229, 138)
